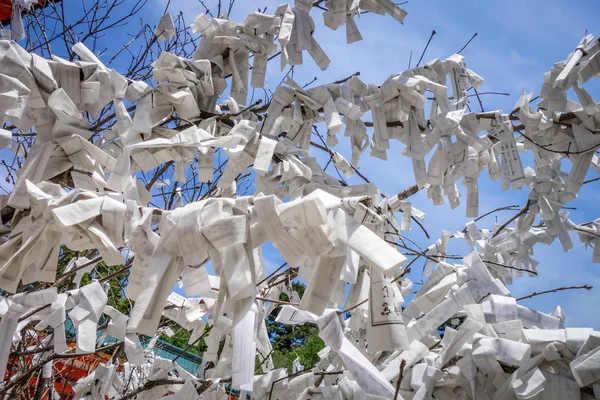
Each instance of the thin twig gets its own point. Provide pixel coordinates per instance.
(591, 180)
(353, 307)
(462, 48)
(158, 174)
(402, 365)
(264, 359)
(189, 346)
(151, 384)
(125, 268)
(507, 208)
(357, 73)
(73, 271)
(586, 287)
(479, 100)
(433, 32)
(408, 267)
(32, 370)
(523, 211)
(243, 110)
(32, 312)
(509, 267)
(277, 301)
(305, 371)
(272, 274)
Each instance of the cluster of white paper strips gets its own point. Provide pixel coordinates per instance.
(335, 235)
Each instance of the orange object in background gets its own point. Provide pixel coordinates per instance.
(65, 374)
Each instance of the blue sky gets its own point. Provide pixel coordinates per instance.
(517, 42)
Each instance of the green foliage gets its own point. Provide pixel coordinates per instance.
(181, 338)
(116, 295)
(65, 256)
(291, 341)
(307, 353)
(288, 341)
(299, 287)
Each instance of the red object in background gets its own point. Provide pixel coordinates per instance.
(65, 374)
(6, 10)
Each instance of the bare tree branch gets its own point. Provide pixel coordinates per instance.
(586, 287)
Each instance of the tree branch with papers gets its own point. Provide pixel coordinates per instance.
(150, 184)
